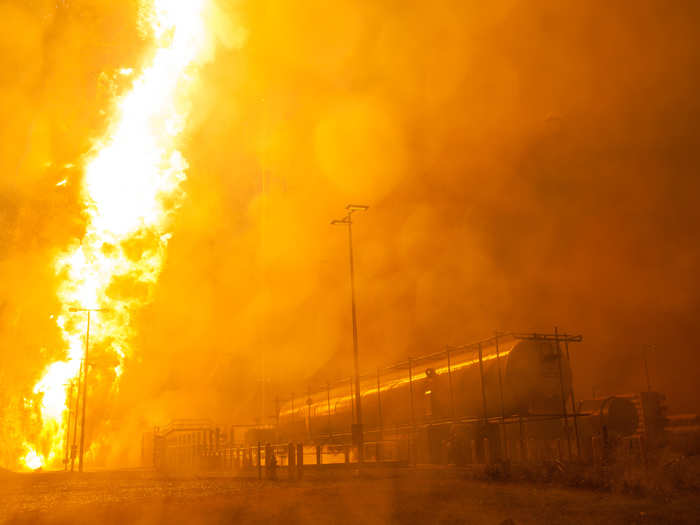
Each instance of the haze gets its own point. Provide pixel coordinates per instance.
(527, 165)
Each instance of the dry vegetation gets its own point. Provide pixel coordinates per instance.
(429, 496)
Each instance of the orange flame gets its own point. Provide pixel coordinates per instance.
(131, 187)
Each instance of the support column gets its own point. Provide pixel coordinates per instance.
(380, 420)
(573, 400)
(483, 385)
(413, 416)
(449, 380)
(563, 396)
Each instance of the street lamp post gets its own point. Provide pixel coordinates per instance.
(347, 220)
(85, 372)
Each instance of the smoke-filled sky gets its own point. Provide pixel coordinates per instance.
(527, 164)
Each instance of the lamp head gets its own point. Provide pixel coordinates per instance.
(356, 207)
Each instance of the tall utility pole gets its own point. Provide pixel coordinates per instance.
(347, 220)
(85, 372)
(70, 402)
(74, 446)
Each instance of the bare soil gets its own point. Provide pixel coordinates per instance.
(402, 496)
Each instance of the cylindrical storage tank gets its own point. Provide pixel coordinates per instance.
(618, 415)
(530, 383)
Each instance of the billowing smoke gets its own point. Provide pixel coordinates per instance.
(526, 164)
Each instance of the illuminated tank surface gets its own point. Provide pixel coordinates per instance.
(529, 373)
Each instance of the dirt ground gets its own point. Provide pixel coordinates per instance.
(398, 497)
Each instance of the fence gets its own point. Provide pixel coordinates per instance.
(514, 441)
(194, 451)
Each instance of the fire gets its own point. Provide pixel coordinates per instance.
(32, 460)
(131, 187)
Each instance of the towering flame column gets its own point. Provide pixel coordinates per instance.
(132, 186)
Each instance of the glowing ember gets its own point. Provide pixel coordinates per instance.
(131, 188)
